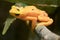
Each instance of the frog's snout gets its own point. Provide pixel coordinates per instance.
(17, 14)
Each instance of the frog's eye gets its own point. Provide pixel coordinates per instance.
(18, 9)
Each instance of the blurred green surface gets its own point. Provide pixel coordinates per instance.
(36, 1)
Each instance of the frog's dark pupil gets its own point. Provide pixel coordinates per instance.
(18, 9)
(17, 14)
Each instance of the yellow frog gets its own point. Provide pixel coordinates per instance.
(31, 13)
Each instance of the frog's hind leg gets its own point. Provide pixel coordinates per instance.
(43, 18)
(44, 21)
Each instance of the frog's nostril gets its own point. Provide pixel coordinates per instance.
(16, 14)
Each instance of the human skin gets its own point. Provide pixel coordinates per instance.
(31, 13)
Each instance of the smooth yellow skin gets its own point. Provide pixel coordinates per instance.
(31, 13)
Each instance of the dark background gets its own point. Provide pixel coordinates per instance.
(18, 29)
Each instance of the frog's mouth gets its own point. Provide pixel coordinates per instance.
(17, 14)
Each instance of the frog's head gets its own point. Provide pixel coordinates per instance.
(16, 9)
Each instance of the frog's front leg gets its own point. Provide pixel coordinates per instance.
(34, 21)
